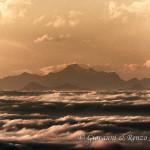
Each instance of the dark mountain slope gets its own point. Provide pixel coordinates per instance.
(33, 86)
(73, 75)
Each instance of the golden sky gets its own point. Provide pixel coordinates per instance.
(36, 34)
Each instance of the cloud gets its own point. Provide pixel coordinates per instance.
(39, 20)
(130, 67)
(73, 23)
(32, 126)
(137, 9)
(43, 38)
(54, 68)
(112, 10)
(73, 14)
(127, 71)
(71, 20)
(67, 129)
(94, 102)
(86, 116)
(12, 10)
(46, 37)
(147, 63)
(59, 22)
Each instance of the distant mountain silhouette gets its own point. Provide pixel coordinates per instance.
(65, 87)
(133, 81)
(32, 86)
(138, 87)
(146, 82)
(74, 75)
(84, 78)
(18, 82)
(37, 87)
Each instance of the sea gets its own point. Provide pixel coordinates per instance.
(71, 120)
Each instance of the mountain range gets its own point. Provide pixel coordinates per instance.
(73, 77)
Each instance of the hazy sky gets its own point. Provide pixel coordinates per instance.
(36, 34)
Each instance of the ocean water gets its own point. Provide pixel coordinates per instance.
(113, 120)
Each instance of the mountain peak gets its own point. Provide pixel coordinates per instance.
(75, 67)
(78, 68)
(34, 86)
(91, 70)
(25, 73)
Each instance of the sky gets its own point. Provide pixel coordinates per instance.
(41, 36)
